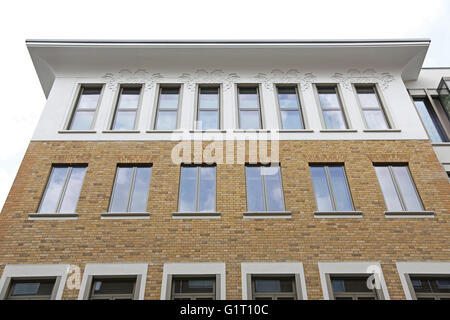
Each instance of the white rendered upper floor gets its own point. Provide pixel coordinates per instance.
(302, 90)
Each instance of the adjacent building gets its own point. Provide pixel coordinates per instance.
(233, 170)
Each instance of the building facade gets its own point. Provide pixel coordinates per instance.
(233, 170)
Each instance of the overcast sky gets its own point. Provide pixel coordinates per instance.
(22, 96)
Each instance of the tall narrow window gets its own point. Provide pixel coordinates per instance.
(352, 288)
(126, 109)
(197, 189)
(331, 106)
(249, 108)
(168, 103)
(444, 95)
(85, 109)
(130, 191)
(372, 109)
(208, 114)
(63, 190)
(112, 288)
(331, 188)
(264, 188)
(31, 289)
(273, 288)
(195, 288)
(431, 288)
(430, 120)
(398, 188)
(288, 100)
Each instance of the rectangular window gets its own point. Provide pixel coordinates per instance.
(330, 104)
(197, 189)
(195, 288)
(31, 289)
(131, 187)
(127, 108)
(430, 120)
(62, 190)
(264, 188)
(372, 109)
(168, 104)
(431, 288)
(352, 288)
(112, 288)
(85, 108)
(208, 109)
(290, 109)
(398, 188)
(444, 95)
(331, 188)
(273, 288)
(249, 108)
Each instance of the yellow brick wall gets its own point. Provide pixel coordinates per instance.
(231, 239)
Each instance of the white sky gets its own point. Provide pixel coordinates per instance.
(23, 99)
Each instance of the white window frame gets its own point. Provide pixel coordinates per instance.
(193, 269)
(197, 105)
(350, 268)
(92, 270)
(405, 269)
(115, 110)
(24, 271)
(249, 269)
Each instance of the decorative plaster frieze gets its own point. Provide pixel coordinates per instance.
(367, 76)
(126, 76)
(203, 76)
(291, 76)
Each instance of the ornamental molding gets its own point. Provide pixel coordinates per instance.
(148, 79)
(367, 76)
(290, 76)
(203, 76)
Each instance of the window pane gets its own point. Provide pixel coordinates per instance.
(287, 98)
(387, 187)
(82, 120)
(169, 98)
(249, 120)
(54, 188)
(207, 189)
(350, 285)
(321, 190)
(121, 189)
(194, 285)
(428, 121)
(31, 288)
(167, 120)
(114, 286)
(208, 120)
(291, 119)
(188, 187)
(407, 189)
(255, 197)
(209, 98)
(140, 190)
(328, 98)
(375, 119)
(73, 189)
(89, 98)
(273, 285)
(334, 120)
(248, 98)
(340, 189)
(129, 98)
(368, 98)
(274, 189)
(124, 120)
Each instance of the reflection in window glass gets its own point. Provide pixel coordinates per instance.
(371, 106)
(249, 108)
(208, 108)
(126, 110)
(331, 108)
(85, 109)
(168, 102)
(197, 189)
(430, 121)
(291, 117)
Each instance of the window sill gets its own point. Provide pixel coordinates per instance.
(196, 215)
(267, 215)
(53, 216)
(250, 130)
(125, 215)
(165, 131)
(338, 214)
(409, 214)
(77, 131)
(121, 131)
(294, 130)
(207, 131)
(382, 130)
(440, 144)
(338, 130)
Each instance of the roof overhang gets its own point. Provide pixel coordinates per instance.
(53, 58)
